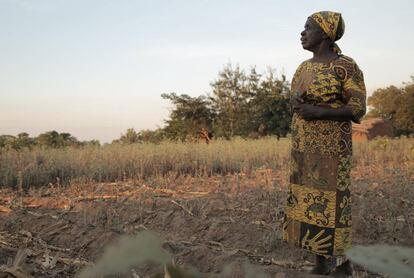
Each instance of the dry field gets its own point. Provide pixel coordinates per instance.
(217, 207)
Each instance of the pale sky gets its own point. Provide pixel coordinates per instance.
(94, 68)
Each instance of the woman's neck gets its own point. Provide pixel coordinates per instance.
(324, 53)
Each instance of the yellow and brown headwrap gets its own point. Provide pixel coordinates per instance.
(332, 24)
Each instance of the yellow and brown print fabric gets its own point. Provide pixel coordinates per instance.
(318, 211)
(329, 22)
(332, 24)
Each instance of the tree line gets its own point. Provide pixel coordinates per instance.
(50, 139)
(242, 103)
(250, 105)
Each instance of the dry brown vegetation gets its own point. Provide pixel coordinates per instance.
(216, 206)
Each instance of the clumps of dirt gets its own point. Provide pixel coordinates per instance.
(235, 229)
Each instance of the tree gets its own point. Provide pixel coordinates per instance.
(48, 139)
(395, 104)
(23, 141)
(270, 106)
(92, 142)
(7, 141)
(54, 139)
(129, 137)
(152, 136)
(240, 104)
(250, 104)
(232, 92)
(188, 116)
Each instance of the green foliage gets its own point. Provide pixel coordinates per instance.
(152, 136)
(21, 141)
(188, 117)
(129, 137)
(9, 142)
(396, 104)
(240, 104)
(398, 262)
(55, 139)
(144, 136)
(93, 142)
(50, 139)
(250, 104)
(231, 93)
(271, 108)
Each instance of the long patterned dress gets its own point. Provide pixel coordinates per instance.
(318, 211)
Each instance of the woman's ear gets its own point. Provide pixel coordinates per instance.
(324, 36)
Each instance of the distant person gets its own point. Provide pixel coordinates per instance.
(328, 92)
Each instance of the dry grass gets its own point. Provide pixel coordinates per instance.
(214, 205)
(39, 167)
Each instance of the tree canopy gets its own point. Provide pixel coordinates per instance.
(395, 104)
(189, 115)
(242, 104)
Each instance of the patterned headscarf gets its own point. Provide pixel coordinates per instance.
(332, 24)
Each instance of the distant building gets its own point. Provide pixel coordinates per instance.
(371, 128)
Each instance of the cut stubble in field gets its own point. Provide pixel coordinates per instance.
(209, 222)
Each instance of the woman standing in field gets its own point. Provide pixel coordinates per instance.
(328, 92)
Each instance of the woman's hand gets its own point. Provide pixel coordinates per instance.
(296, 100)
(313, 112)
(308, 111)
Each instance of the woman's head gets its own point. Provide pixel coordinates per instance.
(323, 27)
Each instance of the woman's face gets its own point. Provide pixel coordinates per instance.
(312, 35)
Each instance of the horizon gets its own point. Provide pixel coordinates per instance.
(96, 68)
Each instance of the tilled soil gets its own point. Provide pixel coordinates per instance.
(228, 228)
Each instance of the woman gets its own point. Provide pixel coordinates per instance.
(328, 92)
